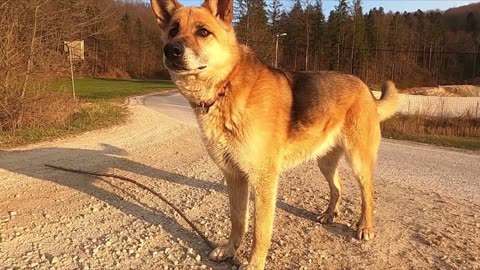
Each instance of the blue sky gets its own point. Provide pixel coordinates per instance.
(394, 5)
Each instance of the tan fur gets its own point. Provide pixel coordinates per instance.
(262, 121)
(388, 102)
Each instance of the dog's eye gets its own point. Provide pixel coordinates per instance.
(173, 32)
(203, 32)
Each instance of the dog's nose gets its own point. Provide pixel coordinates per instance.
(173, 51)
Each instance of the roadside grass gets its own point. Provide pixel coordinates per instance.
(468, 143)
(104, 88)
(458, 132)
(90, 116)
(56, 115)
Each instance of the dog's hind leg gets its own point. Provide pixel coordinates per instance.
(237, 185)
(328, 166)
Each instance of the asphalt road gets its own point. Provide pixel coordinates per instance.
(450, 172)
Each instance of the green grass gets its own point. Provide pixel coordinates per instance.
(103, 88)
(90, 117)
(468, 143)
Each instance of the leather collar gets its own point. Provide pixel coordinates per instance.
(204, 107)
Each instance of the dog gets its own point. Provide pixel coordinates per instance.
(257, 121)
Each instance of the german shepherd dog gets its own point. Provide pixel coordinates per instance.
(258, 121)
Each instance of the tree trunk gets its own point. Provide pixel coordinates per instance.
(308, 39)
(32, 48)
(352, 54)
(475, 61)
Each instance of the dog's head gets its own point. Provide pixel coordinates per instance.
(199, 44)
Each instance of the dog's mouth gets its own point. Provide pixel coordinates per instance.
(182, 70)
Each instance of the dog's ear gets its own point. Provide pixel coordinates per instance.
(223, 9)
(164, 10)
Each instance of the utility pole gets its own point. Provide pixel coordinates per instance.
(276, 47)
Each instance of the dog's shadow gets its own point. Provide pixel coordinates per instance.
(31, 163)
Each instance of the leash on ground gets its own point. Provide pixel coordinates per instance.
(160, 196)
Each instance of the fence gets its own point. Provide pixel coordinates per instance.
(438, 106)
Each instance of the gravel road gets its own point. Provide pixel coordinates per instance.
(427, 204)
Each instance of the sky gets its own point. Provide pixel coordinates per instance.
(393, 5)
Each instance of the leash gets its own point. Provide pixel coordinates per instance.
(160, 196)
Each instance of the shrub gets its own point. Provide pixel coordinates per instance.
(34, 110)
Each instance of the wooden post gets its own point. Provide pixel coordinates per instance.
(71, 72)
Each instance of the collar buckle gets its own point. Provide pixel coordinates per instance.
(204, 108)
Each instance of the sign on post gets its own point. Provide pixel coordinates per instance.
(76, 49)
(76, 52)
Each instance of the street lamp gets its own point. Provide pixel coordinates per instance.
(276, 47)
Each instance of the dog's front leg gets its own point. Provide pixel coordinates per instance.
(265, 190)
(237, 185)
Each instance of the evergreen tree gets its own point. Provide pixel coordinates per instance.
(358, 37)
(252, 27)
(318, 37)
(474, 28)
(472, 23)
(371, 37)
(337, 24)
(296, 41)
(274, 11)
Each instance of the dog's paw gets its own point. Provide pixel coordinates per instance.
(364, 233)
(327, 217)
(222, 253)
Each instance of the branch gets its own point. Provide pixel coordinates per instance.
(160, 196)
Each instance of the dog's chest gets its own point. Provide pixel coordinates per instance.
(221, 136)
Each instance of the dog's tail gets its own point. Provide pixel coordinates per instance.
(388, 102)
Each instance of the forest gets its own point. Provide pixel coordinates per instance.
(122, 39)
(424, 48)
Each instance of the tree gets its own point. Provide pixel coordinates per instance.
(274, 12)
(337, 24)
(252, 27)
(318, 35)
(358, 37)
(296, 39)
(472, 24)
